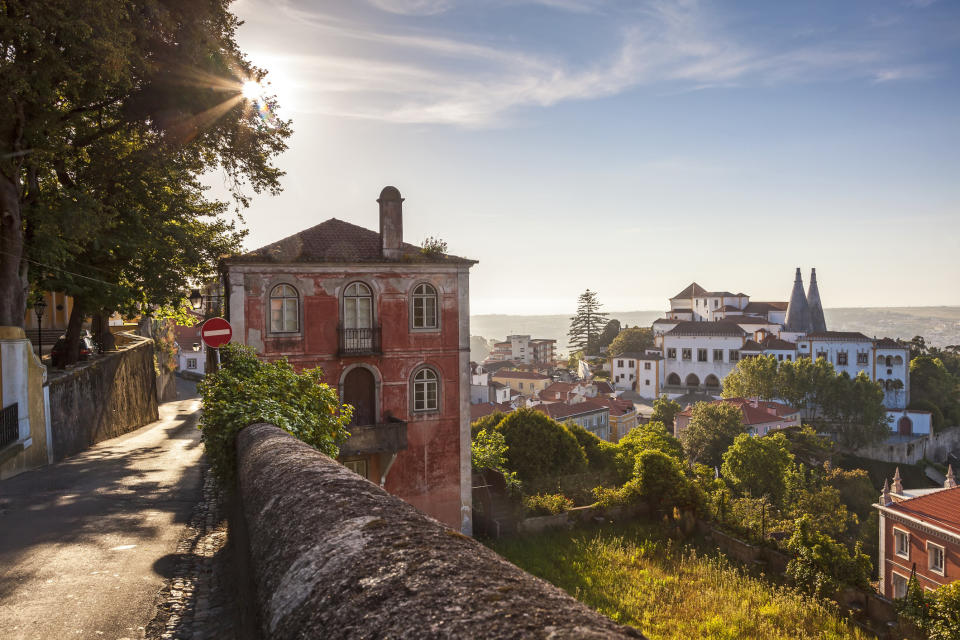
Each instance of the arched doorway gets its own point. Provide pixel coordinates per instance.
(712, 382)
(905, 426)
(673, 380)
(693, 380)
(360, 390)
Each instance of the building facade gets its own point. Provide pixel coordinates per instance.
(919, 535)
(389, 325)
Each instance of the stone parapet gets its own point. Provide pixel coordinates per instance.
(335, 556)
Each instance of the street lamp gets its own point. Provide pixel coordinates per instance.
(196, 299)
(39, 307)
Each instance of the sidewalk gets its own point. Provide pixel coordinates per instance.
(86, 544)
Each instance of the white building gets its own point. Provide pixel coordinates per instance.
(524, 349)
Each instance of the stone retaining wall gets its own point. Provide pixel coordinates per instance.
(103, 398)
(935, 447)
(335, 556)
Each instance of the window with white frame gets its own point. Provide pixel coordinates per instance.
(357, 465)
(935, 557)
(426, 390)
(718, 355)
(901, 543)
(734, 355)
(701, 355)
(358, 307)
(425, 307)
(284, 309)
(899, 585)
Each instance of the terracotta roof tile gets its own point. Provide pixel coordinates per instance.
(692, 328)
(520, 375)
(940, 508)
(838, 335)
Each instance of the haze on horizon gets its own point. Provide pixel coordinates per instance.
(630, 147)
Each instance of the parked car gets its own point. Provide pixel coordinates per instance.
(59, 352)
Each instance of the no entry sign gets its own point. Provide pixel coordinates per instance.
(216, 332)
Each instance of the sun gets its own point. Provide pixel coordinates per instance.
(252, 90)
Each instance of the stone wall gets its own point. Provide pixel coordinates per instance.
(103, 398)
(935, 447)
(335, 556)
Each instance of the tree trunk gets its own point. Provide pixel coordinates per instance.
(72, 350)
(101, 331)
(13, 272)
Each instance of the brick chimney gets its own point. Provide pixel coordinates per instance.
(391, 223)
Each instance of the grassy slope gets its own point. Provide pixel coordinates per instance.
(628, 572)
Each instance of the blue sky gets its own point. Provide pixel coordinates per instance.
(630, 147)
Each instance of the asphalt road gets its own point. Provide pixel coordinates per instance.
(86, 544)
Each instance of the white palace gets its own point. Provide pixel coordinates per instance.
(705, 333)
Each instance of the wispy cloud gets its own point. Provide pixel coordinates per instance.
(411, 74)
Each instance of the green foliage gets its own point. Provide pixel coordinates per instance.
(650, 436)
(632, 340)
(665, 411)
(851, 409)
(936, 614)
(712, 429)
(601, 455)
(821, 565)
(931, 383)
(488, 422)
(826, 508)
(247, 390)
(610, 331)
(758, 466)
(546, 504)
(538, 447)
(586, 325)
(807, 445)
(488, 450)
(433, 247)
(854, 487)
(659, 482)
(635, 575)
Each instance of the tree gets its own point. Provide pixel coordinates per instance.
(632, 340)
(665, 411)
(488, 450)
(931, 382)
(652, 436)
(246, 390)
(601, 455)
(658, 481)
(610, 331)
(77, 78)
(585, 327)
(752, 378)
(821, 565)
(758, 466)
(538, 447)
(712, 429)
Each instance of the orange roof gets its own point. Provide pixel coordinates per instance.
(940, 509)
(520, 375)
(753, 415)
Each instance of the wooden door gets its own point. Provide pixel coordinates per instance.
(360, 390)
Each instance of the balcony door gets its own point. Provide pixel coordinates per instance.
(358, 334)
(360, 390)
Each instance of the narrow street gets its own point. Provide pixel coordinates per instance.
(86, 544)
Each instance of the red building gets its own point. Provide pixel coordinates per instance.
(919, 533)
(389, 323)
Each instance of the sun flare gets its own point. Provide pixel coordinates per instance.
(252, 90)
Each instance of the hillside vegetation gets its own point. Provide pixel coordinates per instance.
(637, 577)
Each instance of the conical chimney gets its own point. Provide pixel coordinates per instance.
(798, 311)
(817, 321)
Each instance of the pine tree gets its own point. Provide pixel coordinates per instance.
(585, 327)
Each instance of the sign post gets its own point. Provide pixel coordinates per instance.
(215, 333)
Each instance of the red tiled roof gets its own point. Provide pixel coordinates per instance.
(616, 407)
(890, 343)
(764, 307)
(478, 411)
(562, 410)
(520, 375)
(752, 415)
(685, 328)
(692, 291)
(773, 342)
(751, 345)
(336, 241)
(604, 387)
(940, 508)
(838, 335)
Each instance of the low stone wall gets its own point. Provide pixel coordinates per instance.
(103, 398)
(335, 556)
(935, 447)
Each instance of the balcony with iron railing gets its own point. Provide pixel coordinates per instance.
(385, 437)
(359, 342)
(9, 425)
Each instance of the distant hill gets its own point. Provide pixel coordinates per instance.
(939, 325)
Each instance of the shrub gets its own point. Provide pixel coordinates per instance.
(488, 422)
(653, 435)
(538, 447)
(546, 504)
(821, 565)
(659, 482)
(247, 390)
(488, 451)
(936, 614)
(601, 455)
(758, 466)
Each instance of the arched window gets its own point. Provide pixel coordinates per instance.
(673, 380)
(898, 360)
(693, 380)
(357, 307)
(284, 309)
(426, 390)
(712, 381)
(424, 307)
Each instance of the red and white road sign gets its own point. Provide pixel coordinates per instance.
(216, 332)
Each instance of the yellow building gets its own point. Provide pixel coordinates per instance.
(528, 383)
